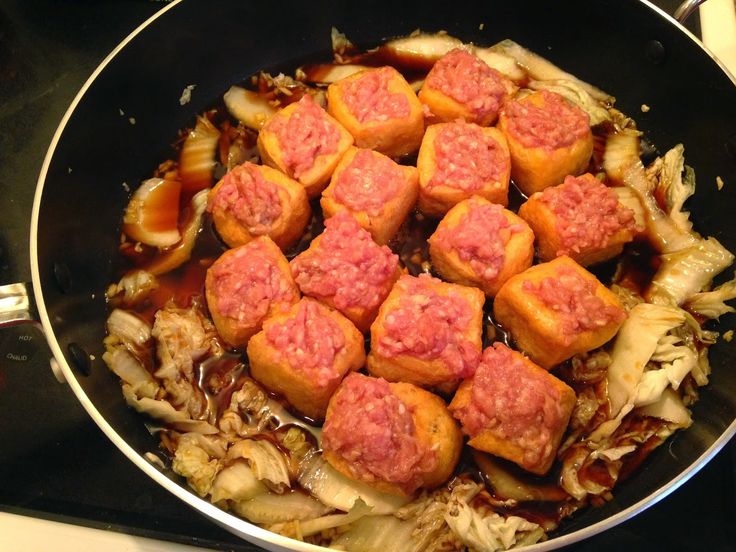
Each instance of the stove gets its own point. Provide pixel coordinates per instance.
(54, 462)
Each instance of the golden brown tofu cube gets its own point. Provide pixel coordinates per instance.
(378, 192)
(304, 142)
(366, 414)
(304, 353)
(380, 109)
(427, 332)
(548, 138)
(459, 160)
(462, 86)
(581, 218)
(556, 310)
(481, 244)
(514, 409)
(245, 285)
(255, 200)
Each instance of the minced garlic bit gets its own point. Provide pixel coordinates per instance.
(122, 113)
(719, 183)
(92, 357)
(186, 94)
(69, 170)
(480, 27)
(126, 187)
(645, 108)
(728, 335)
(155, 460)
(131, 120)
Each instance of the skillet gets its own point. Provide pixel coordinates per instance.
(77, 213)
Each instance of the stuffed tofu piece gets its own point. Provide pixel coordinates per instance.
(255, 200)
(304, 353)
(556, 310)
(481, 244)
(514, 409)
(378, 192)
(427, 333)
(304, 142)
(462, 86)
(581, 218)
(395, 437)
(346, 270)
(459, 160)
(380, 109)
(548, 137)
(247, 284)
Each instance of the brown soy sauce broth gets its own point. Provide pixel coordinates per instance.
(218, 377)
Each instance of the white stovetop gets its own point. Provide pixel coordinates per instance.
(26, 534)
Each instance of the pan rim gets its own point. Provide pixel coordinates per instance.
(240, 527)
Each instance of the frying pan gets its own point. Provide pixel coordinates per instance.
(626, 47)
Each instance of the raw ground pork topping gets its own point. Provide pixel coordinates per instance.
(556, 124)
(309, 341)
(305, 135)
(573, 299)
(347, 265)
(469, 81)
(373, 430)
(480, 238)
(466, 158)
(368, 183)
(250, 198)
(514, 402)
(369, 98)
(428, 325)
(587, 213)
(248, 282)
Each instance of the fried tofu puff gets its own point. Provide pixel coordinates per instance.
(459, 160)
(378, 192)
(514, 409)
(245, 285)
(427, 332)
(481, 244)
(581, 218)
(380, 109)
(395, 437)
(462, 86)
(304, 353)
(304, 142)
(346, 270)
(255, 200)
(556, 310)
(548, 138)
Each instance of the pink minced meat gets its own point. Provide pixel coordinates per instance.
(479, 238)
(346, 265)
(556, 124)
(587, 213)
(466, 158)
(573, 300)
(309, 341)
(304, 136)
(514, 402)
(369, 99)
(250, 198)
(373, 431)
(428, 325)
(469, 81)
(368, 183)
(248, 282)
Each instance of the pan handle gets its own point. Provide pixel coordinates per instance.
(17, 305)
(686, 9)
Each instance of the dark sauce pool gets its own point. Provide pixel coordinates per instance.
(218, 377)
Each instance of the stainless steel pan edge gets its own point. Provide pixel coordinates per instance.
(236, 525)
